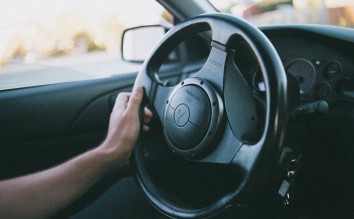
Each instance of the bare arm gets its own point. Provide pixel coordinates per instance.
(44, 193)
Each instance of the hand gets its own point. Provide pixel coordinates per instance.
(124, 124)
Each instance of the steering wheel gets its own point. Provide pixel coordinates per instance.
(212, 117)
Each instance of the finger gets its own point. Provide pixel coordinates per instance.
(147, 120)
(121, 101)
(135, 99)
(147, 115)
(146, 128)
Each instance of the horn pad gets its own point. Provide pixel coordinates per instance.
(191, 118)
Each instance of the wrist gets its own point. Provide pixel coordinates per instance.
(112, 154)
(104, 157)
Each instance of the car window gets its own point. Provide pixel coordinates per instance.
(46, 42)
(263, 12)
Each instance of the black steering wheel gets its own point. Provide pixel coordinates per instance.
(212, 117)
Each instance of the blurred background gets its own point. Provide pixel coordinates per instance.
(67, 31)
(262, 12)
(35, 30)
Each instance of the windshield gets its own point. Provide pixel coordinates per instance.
(264, 12)
(78, 37)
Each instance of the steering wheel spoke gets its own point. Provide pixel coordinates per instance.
(227, 148)
(246, 157)
(240, 104)
(213, 69)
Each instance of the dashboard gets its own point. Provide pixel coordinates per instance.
(320, 59)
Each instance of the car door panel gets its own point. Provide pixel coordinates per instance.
(45, 125)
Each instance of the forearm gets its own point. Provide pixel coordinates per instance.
(45, 193)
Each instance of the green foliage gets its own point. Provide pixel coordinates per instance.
(84, 39)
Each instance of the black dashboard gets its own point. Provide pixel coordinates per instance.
(319, 57)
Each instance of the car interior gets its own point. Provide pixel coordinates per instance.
(296, 85)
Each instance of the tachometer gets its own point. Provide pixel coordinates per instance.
(304, 72)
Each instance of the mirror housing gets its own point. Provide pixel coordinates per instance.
(138, 42)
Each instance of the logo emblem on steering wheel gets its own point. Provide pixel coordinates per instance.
(181, 115)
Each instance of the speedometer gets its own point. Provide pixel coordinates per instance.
(304, 72)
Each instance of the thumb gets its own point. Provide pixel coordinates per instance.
(135, 99)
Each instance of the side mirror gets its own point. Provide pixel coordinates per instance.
(138, 42)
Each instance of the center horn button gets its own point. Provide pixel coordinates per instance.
(192, 115)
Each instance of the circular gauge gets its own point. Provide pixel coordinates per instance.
(333, 69)
(322, 91)
(304, 72)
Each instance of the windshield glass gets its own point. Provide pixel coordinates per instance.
(264, 12)
(81, 38)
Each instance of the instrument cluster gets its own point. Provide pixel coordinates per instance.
(318, 79)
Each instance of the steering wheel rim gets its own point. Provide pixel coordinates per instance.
(257, 160)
